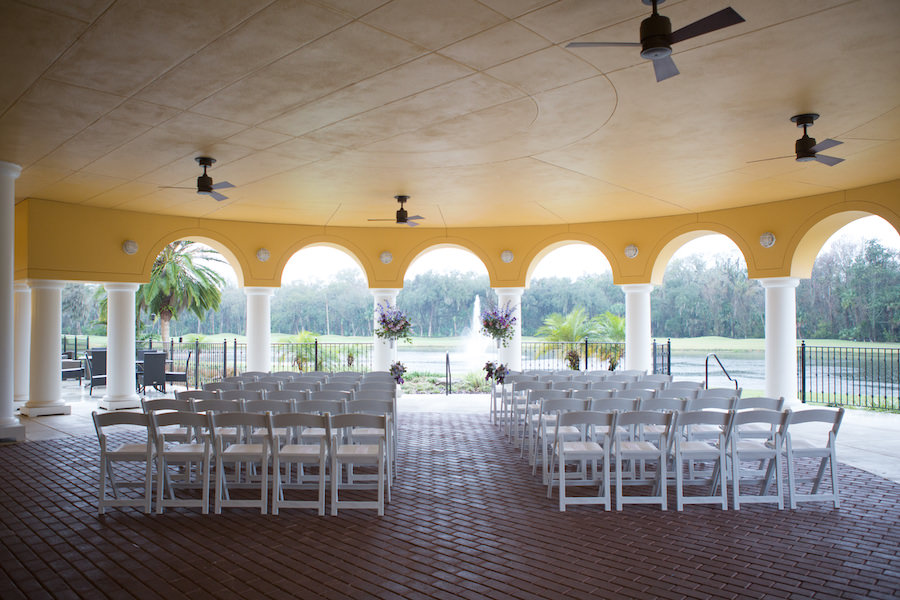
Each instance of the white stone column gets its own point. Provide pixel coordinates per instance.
(638, 343)
(22, 345)
(781, 337)
(45, 371)
(10, 428)
(259, 328)
(511, 355)
(120, 348)
(383, 355)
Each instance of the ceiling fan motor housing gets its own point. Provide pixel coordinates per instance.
(656, 33)
(402, 215)
(204, 184)
(804, 148)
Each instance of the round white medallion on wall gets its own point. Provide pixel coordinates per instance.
(631, 251)
(767, 240)
(507, 256)
(263, 254)
(386, 257)
(129, 247)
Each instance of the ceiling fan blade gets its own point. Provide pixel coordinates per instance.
(825, 145)
(176, 187)
(216, 195)
(222, 185)
(828, 160)
(383, 220)
(773, 158)
(665, 68)
(599, 44)
(720, 20)
(411, 224)
(414, 217)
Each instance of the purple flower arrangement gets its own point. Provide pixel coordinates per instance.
(497, 322)
(495, 372)
(393, 324)
(397, 371)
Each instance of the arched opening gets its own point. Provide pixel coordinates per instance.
(706, 304)
(571, 298)
(444, 288)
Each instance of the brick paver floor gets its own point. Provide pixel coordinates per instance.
(467, 520)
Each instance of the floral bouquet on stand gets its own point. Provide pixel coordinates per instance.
(497, 322)
(496, 372)
(573, 359)
(393, 324)
(397, 371)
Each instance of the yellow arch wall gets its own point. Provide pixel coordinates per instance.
(70, 242)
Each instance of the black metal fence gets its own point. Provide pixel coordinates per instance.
(588, 356)
(862, 377)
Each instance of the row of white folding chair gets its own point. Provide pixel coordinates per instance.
(765, 454)
(260, 435)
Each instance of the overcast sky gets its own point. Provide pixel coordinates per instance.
(572, 261)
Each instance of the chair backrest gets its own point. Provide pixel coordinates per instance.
(318, 375)
(687, 419)
(237, 379)
(321, 406)
(96, 359)
(261, 386)
(637, 418)
(305, 420)
(110, 419)
(554, 378)
(288, 395)
(643, 384)
(289, 375)
(640, 394)
(570, 385)
(760, 402)
(615, 404)
(189, 419)
(378, 386)
(800, 419)
(657, 378)
(375, 394)
(588, 418)
(781, 419)
(517, 378)
(552, 405)
(167, 404)
(690, 385)
(279, 381)
(686, 393)
(240, 394)
(256, 374)
(339, 385)
(619, 376)
(606, 384)
(154, 369)
(239, 420)
(526, 386)
(339, 395)
(714, 403)
(591, 393)
(590, 377)
(274, 406)
(664, 404)
(537, 396)
(218, 405)
(222, 385)
(633, 372)
(196, 395)
(348, 375)
(371, 407)
(301, 386)
(719, 393)
(350, 420)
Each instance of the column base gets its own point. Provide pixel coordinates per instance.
(119, 403)
(12, 431)
(45, 410)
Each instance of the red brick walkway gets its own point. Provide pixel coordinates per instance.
(467, 520)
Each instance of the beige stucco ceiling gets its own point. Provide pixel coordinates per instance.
(321, 111)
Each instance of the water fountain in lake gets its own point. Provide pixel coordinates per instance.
(478, 348)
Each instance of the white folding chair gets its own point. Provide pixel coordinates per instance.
(628, 447)
(533, 417)
(293, 452)
(375, 406)
(172, 432)
(546, 433)
(128, 451)
(706, 450)
(345, 450)
(185, 452)
(238, 450)
(592, 446)
(765, 453)
(799, 444)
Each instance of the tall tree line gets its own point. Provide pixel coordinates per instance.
(854, 294)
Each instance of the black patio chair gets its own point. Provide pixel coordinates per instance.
(95, 362)
(180, 376)
(154, 371)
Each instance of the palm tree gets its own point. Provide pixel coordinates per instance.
(180, 282)
(573, 327)
(611, 328)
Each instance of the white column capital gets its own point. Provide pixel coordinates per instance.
(121, 287)
(46, 284)
(389, 293)
(636, 288)
(21, 286)
(516, 292)
(259, 291)
(10, 170)
(779, 282)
